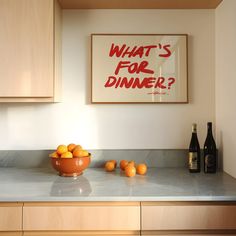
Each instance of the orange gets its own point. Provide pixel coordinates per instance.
(77, 152)
(115, 162)
(71, 147)
(85, 153)
(132, 163)
(54, 155)
(80, 153)
(61, 149)
(123, 164)
(109, 166)
(130, 171)
(78, 147)
(67, 155)
(141, 169)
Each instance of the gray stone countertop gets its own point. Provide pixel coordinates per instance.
(160, 184)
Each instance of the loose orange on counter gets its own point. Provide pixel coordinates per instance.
(67, 155)
(71, 147)
(131, 163)
(123, 164)
(130, 171)
(109, 166)
(61, 149)
(115, 162)
(141, 169)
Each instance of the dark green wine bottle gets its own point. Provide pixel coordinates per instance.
(194, 154)
(210, 152)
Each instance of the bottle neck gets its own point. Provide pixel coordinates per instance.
(194, 128)
(209, 129)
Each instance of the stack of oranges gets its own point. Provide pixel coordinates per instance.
(69, 151)
(129, 167)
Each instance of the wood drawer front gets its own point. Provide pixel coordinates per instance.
(11, 234)
(81, 218)
(10, 218)
(189, 217)
(189, 234)
(79, 233)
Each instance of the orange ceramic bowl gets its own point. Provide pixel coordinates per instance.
(71, 167)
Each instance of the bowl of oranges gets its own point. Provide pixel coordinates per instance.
(70, 160)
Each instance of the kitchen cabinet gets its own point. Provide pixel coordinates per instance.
(195, 217)
(118, 218)
(10, 218)
(30, 48)
(139, 4)
(93, 217)
(187, 234)
(11, 234)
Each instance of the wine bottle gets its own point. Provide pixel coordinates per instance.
(210, 153)
(194, 155)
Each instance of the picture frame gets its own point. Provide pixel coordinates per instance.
(139, 68)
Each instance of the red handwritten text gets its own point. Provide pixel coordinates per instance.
(134, 67)
(147, 82)
(140, 51)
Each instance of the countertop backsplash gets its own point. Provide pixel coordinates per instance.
(152, 157)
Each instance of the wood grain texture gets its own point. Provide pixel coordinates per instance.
(190, 217)
(25, 100)
(189, 203)
(82, 233)
(11, 233)
(81, 218)
(82, 203)
(189, 233)
(26, 48)
(139, 4)
(10, 218)
(57, 52)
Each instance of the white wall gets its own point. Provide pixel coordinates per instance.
(226, 83)
(40, 126)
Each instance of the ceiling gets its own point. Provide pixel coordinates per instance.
(139, 4)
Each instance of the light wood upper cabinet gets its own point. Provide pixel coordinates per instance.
(30, 50)
(139, 4)
(10, 217)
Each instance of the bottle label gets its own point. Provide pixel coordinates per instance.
(192, 160)
(209, 161)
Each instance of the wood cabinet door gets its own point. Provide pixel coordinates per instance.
(26, 48)
(188, 216)
(81, 216)
(10, 217)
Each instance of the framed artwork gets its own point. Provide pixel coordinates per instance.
(139, 68)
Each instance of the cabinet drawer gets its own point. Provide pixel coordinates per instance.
(11, 234)
(79, 233)
(10, 217)
(188, 217)
(193, 234)
(91, 216)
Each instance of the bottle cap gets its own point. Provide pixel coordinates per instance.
(209, 124)
(194, 127)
